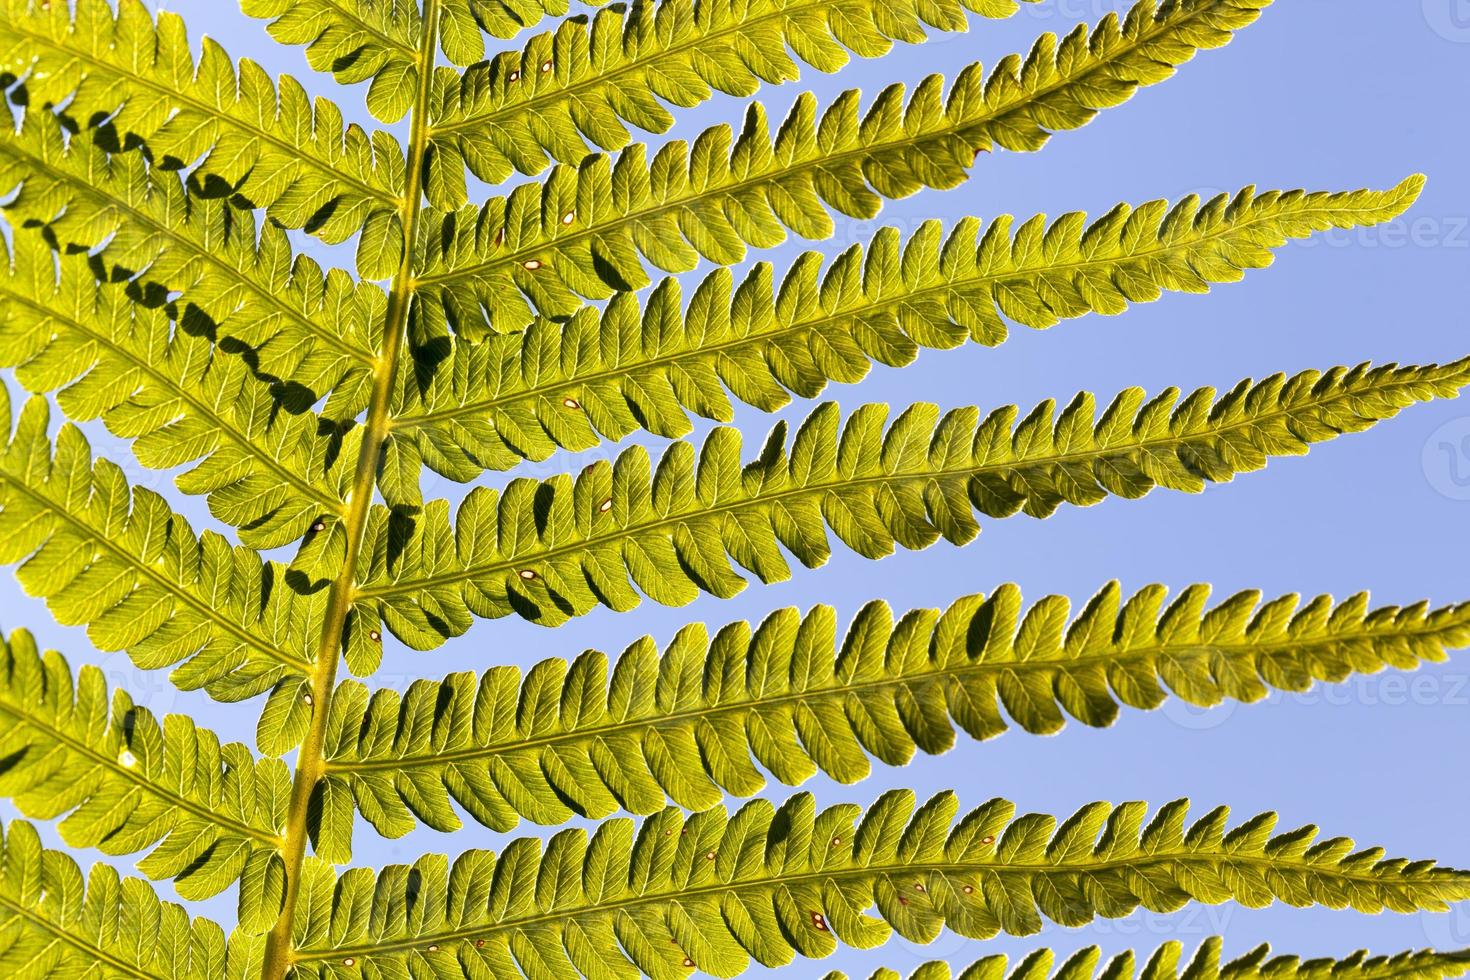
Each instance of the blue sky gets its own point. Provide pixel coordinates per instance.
(1322, 94)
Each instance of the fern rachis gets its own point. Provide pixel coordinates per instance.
(148, 284)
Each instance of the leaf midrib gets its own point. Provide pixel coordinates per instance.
(836, 481)
(134, 776)
(835, 687)
(233, 273)
(86, 948)
(178, 590)
(638, 62)
(473, 407)
(894, 866)
(181, 392)
(817, 164)
(214, 113)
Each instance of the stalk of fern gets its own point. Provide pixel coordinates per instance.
(149, 285)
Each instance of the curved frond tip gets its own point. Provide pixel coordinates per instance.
(713, 891)
(586, 231)
(589, 738)
(609, 373)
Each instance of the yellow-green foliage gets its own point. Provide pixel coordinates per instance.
(148, 284)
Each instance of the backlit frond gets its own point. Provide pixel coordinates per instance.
(122, 782)
(587, 82)
(712, 892)
(174, 238)
(56, 923)
(116, 559)
(606, 374)
(559, 548)
(1167, 963)
(271, 143)
(113, 355)
(586, 231)
(589, 738)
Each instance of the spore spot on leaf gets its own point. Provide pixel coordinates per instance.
(919, 887)
(688, 963)
(319, 526)
(433, 947)
(127, 759)
(569, 217)
(605, 506)
(545, 67)
(903, 900)
(375, 636)
(969, 889)
(531, 265)
(527, 574)
(479, 943)
(819, 922)
(709, 855)
(836, 841)
(515, 76)
(988, 839)
(571, 403)
(349, 961)
(306, 698)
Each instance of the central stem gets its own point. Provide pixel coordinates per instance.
(310, 764)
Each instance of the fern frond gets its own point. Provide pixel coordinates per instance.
(354, 41)
(118, 560)
(585, 232)
(570, 739)
(610, 373)
(710, 892)
(55, 923)
(1165, 963)
(580, 84)
(555, 549)
(270, 144)
(172, 237)
(124, 783)
(112, 355)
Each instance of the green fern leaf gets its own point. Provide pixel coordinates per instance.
(712, 892)
(55, 923)
(125, 783)
(164, 385)
(1165, 964)
(118, 560)
(267, 142)
(609, 373)
(358, 40)
(354, 41)
(586, 231)
(582, 83)
(551, 550)
(172, 237)
(579, 739)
